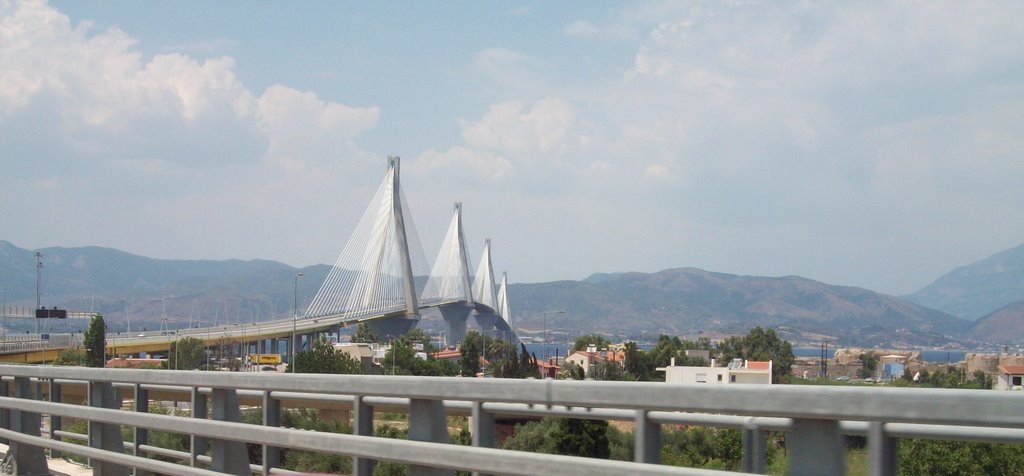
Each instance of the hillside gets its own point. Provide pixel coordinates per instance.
(692, 301)
(113, 282)
(677, 301)
(979, 288)
(1005, 326)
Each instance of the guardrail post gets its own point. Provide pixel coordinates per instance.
(646, 439)
(754, 445)
(427, 423)
(362, 425)
(816, 447)
(198, 443)
(27, 459)
(228, 456)
(105, 436)
(482, 428)
(271, 417)
(881, 451)
(5, 414)
(140, 434)
(55, 420)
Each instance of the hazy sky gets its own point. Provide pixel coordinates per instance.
(869, 144)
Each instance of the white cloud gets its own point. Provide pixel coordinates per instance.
(165, 136)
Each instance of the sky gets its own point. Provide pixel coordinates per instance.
(871, 144)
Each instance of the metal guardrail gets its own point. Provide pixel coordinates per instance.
(813, 417)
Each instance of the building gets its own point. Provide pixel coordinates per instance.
(591, 359)
(1010, 377)
(738, 371)
(367, 354)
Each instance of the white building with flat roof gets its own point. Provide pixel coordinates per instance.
(738, 371)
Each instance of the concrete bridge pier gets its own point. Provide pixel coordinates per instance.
(387, 328)
(455, 317)
(485, 320)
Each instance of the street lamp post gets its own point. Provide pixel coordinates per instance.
(547, 354)
(295, 317)
(39, 271)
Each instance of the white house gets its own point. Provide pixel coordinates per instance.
(738, 371)
(1011, 377)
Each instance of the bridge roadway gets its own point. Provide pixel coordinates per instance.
(160, 341)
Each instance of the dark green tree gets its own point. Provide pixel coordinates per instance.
(760, 344)
(323, 358)
(582, 342)
(96, 342)
(869, 364)
(186, 354)
(578, 437)
(469, 362)
(364, 334)
(402, 358)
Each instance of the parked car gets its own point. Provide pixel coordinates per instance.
(842, 378)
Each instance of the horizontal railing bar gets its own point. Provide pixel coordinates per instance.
(904, 405)
(124, 459)
(486, 460)
(70, 434)
(161, 451)
(975, 434)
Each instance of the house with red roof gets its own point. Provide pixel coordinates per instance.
(1011, 377)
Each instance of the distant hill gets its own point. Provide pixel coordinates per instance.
(112, 282)
(684, 301)
(691, 301)
(1004, 326)
(979, 288)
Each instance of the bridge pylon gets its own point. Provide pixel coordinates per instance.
(504, 324)
(373, 280)
(449, 282)
(486, 301)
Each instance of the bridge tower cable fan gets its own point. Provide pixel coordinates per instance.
(485, 301)
(373, 278)
(504, 311)
(448, 286)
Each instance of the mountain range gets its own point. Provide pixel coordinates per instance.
(145, 292)
(977, 289)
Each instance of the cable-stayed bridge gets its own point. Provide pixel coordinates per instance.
(372, 281)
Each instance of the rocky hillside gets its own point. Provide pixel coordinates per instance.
(979, 288)
(677, 301)
(691, 301)
(1005, 326)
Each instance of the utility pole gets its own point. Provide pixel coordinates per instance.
(39, 272)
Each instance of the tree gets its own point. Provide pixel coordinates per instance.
(365, 334)
(760, 344)
(469, 350)
(96, 342)
(186, 354)
(71, 356)
(582, 342)
(958, 457)
(401, 359)
(576, 437)
(869, 364)
(323, 358)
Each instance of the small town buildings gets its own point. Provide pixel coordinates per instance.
(738, 371)
(1010, 377)
(592, 358)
